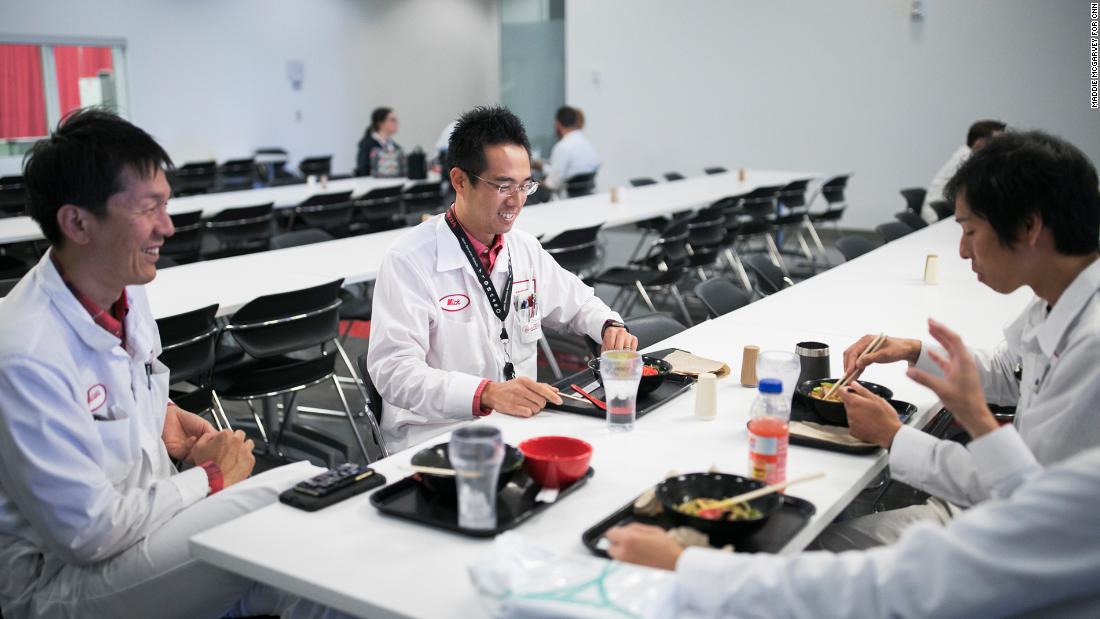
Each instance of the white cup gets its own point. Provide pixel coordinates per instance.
(932, 269)
(706, 397)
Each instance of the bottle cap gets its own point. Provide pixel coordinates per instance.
(771, 385)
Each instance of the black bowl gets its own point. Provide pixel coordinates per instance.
(834, 412)
(437, 456)
(675, 491)
(648, 384)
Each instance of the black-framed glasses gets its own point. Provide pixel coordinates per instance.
(508, 189)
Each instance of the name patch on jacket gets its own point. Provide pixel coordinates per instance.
(454, 302)
(97, 397)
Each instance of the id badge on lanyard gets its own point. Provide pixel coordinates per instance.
(528, 315)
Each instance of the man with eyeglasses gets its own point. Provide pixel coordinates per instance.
(461, 299)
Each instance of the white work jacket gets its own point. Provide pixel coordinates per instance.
(434, 336)
(84, 473)
(571, 155)
(1055, 397)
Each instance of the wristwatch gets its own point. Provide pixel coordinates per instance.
(613, 323)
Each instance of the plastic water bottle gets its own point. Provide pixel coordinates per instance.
(769, 431)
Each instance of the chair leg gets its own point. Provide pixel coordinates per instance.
(737, 265)
(351, 420)
(683, 306)
(219, 412)
(776, 257)
(259, 424)
(371, 419)
(804, 247)
(809, 225)
(544, 344)
(638, 247)
(645, 296)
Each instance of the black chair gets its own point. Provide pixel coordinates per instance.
(242, 230)
(12, 267)
(423, 197)
(580, 185)
(721, 296)
(715, 170)
(943, 209)
(330, 212)
(13, 196)
(914, 198)
(832, 191)
(275, 332)
(237, 174)
(6, 284)
(378, 209)
(770, 279)
(852, 247)
(653, 328)
(299, 237)
(374, 398)
(642, 181)
(187, 344)
(661, 269)
(706, 235)
(892, 230)
(760, 207)
(911, 219)
(793, 217)
(194, 177)
(186, 244)
(576, 250)
(316, 166)
(673, 176)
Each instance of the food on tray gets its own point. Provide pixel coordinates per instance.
(819, 392)
(714, 509)
(650, 370)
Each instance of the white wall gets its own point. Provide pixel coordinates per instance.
(846, 85)
(208, 77)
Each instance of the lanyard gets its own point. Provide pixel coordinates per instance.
(499, 308)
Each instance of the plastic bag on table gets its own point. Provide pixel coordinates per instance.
(519, 578)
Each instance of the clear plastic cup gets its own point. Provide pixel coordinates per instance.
(476, 452)
(621, 371)
(780, 364)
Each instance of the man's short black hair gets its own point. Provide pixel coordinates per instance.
(481, 127)
(1019, 174)
(82, 162)
(568, 117)
(378, 116)
(983, 129)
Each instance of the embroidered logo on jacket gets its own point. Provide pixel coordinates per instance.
(454, 302)
(97, 397)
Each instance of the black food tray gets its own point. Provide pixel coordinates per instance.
(772, 537)
(800, 411)
(673, 386)
(411, 500)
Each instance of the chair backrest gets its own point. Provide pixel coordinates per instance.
(642, 181)
(715, 170)
(277, 324)
(423, 197)
(186, 243)
(238, 173)
(721, 296)
(378, 204)
(769, 278)
(911, 219)
(673, 176)
(852, 247)
(942, 208)
(374, 398)
(653, 328)
(793, 194)
(671, 248)
(577, 249)
(10, 267)
(13, 196)
(707, 228)
(892, 230)
(833, 190)
(324, 199)
(760, 202)
(914, 198)
(299, 237)
(580, 184)
(316, 166)
(187, 344)
(329, 211)
(243, 228)
(194, 177)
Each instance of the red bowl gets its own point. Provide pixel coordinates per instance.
(555, 461)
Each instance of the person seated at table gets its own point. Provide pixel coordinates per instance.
(976, 137)
(573, 154)
(461, 299)
(1030, 216)
(379, 155)
(94, 517)
(1032, 549)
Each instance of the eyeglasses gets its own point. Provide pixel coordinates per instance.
(508, 189)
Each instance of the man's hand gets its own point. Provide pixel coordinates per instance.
(618, 338)
(231, 451)
(521, 396)
(892, 349)
(645, 545)
(960, 389)
(181, 430)
(870, 418)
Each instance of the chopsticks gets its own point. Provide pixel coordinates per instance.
(766, 490)
(599, 404)
(872, 347)
(430, 470)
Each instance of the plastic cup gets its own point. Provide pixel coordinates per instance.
(476, 452)
(780, 364)
(621, 371)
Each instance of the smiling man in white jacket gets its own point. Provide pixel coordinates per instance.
(461, 299)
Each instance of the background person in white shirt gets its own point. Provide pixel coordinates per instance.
(1030, 216)
(438, 354)
(573, 154)
(976, 137)
(1031, 550)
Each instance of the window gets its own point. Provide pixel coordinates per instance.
(42, 82)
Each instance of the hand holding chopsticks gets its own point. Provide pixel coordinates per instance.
(766, 490)
(875, 344)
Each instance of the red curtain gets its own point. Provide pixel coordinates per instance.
(22, 99)
(73, 63)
